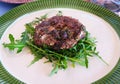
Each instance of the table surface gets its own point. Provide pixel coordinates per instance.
(5, 7)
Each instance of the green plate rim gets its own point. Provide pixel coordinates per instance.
(7, 19)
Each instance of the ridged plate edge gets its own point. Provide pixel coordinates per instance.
(112, 78)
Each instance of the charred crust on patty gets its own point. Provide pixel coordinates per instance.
(59, 32)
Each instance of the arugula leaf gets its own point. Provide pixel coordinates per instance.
(38, 20)
(43, 17)
(55, 70)
(24, 37)
(86, 61)
(19, 44)
(12, 45)
(59, 13)
(34, 61)
(11, 38)
(37, 54)
(30, 29)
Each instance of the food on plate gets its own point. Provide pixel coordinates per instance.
(59, 32)
(60, 39)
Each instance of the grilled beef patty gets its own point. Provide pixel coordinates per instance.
(59, 32)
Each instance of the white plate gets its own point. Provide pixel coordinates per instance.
(107, 45)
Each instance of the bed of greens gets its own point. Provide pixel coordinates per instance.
(78, 54)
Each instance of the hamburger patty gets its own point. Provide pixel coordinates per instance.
(59, 32)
